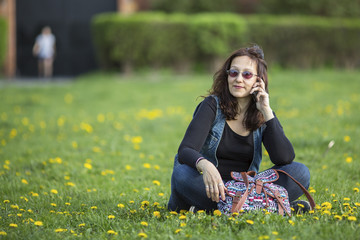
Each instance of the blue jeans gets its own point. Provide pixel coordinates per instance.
(188, 189)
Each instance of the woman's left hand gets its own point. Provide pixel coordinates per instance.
(262, 99)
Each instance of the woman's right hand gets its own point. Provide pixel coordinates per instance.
(214, 185)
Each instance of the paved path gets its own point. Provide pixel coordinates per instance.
(34, 82)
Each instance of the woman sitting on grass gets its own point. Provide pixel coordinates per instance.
(226, 133)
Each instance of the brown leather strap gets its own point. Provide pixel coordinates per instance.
(281, 207)
(307, 194)
(259, 186)
(240, 202)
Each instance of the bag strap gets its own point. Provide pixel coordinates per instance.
(307, 194)
(237, 202)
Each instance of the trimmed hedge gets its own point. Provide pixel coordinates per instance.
(165, 40)
(3, 38)
(187, 41)
(307, 42)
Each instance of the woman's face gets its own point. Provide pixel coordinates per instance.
(241, 85)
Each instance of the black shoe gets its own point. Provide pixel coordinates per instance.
(300, 206)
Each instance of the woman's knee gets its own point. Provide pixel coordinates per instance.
(299, 171)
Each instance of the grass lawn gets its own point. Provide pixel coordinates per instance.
(93, 158)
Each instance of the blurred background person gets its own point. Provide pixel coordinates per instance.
(44, 49)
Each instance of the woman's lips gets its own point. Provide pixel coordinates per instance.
(238, 87)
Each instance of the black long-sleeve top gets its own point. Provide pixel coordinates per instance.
(235, 152)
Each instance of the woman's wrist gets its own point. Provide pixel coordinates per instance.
(268, 114)
(197, 165)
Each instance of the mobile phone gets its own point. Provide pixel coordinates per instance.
(254, 94)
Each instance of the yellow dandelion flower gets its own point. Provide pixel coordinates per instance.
(146, 189)
(357, 204)
(356, 189)
(136, 140)
(351, 218)
(101, 118)
(111, 217)
(81, 225)
(6, 201)
(156, 182)
(177, 231)
(145, 224)
(34, 194)
(156, 214)
(217, 213)
(161, 194)
(14, 206)
(326, 205)
(71, 184)
(93, 208)
(13, 225)
(142, 235)
(59, 230)
(53, 204)
(53, 191)
(292, 222)
(348, 159)
(347, 138)
(312, 191)
(251, 222)
(2, 233)
(38, 223)
(146, 165)
(111, 232)
(182, 217)
(173, 213)
(120, 205)
(24, 181)
(182, 224)
(338, 217)
(156, 167)
(275, 233)
(326, 212)
(128, 167)
(145, 203)
(131, 202)
(13, 133)
(24, 198)
(67, 204)
(133, 211)
(88, 165)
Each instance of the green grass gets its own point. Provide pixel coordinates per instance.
(106, 143)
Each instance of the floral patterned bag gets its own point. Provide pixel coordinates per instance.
(248, 192)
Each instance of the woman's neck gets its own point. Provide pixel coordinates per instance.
(243, 105)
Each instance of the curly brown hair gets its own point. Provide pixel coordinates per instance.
(228, 103)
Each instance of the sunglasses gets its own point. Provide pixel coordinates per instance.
(245, 74)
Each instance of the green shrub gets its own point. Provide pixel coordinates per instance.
(307, 42)
(191, 6)
(3, 37)
(145, 39)
(165, 40)
(203, 40)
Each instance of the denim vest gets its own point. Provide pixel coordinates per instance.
(212, 141)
